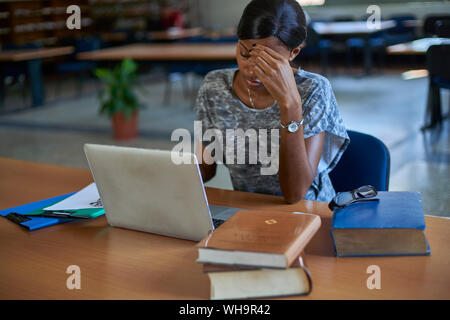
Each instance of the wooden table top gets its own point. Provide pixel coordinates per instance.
(419, 46)
(164, 52)
(176, 34)
(349, 27)
(414, 23)
(170, 34)
(117, 263)
(30, 54)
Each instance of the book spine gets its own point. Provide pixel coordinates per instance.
(300, 243)
(308, 275)
(334, 242)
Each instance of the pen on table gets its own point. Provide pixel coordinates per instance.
(53, 214)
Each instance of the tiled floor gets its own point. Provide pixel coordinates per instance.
(385, 106)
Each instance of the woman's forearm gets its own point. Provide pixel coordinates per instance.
(295, 171)
(207, 171)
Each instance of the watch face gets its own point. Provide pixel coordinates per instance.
(293, 127)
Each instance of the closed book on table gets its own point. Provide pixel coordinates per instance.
(270, 239)
(231, 282)
(392, 226)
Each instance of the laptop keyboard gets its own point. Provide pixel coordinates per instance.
(220, 214)
(217, 222)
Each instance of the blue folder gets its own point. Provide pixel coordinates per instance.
(30, 222)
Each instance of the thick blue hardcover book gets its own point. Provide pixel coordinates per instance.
(33, 223)
(394, 225)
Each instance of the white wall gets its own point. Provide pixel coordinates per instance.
(217, 14)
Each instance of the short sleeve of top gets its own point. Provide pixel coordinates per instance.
(218, 108)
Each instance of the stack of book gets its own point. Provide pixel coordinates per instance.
(257, 254)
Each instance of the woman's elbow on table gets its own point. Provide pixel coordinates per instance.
(294, 197)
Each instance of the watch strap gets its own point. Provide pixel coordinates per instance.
(299, 123)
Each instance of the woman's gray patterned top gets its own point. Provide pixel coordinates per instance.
(219, 108)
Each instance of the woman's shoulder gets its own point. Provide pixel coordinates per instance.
(219, 79)
(310, 81)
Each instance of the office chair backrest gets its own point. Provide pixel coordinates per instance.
(313, 37)
(28, 45)
(400, 23)
(343, 18)
(87, 44)
(443, 28)
(438, 57)
(365, 161)
(429, 26)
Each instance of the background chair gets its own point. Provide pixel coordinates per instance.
(16, 73)
(429, 25)
(365, 161)
(202, 69)
(401, 32)
(443, 28)
(343, 18)
(180, 70)
(71, 65)
(438, 66)
(376, 44)
(315, 46)
(375, 41)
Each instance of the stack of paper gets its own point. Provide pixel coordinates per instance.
(85, 203)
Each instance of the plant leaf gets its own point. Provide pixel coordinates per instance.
(118, 94)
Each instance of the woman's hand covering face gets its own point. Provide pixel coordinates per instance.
(277, 75)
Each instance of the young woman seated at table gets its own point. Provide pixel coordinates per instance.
(267, 92)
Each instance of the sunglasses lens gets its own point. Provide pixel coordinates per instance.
(366, 191)
(343, 198)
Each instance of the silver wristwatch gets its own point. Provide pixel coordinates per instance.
(292, 126)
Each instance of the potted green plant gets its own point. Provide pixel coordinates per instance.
(118, 98)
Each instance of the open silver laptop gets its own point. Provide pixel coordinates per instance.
(143, 189)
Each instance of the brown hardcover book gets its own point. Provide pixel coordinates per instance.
(270, 239)
(232, 282)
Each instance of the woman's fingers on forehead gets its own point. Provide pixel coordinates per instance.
(246, 48)
(272, 52)
(261, 63)
(242, 44)
(266, 57)
(260, 73)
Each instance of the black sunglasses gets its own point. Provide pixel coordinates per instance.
(343, 199)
